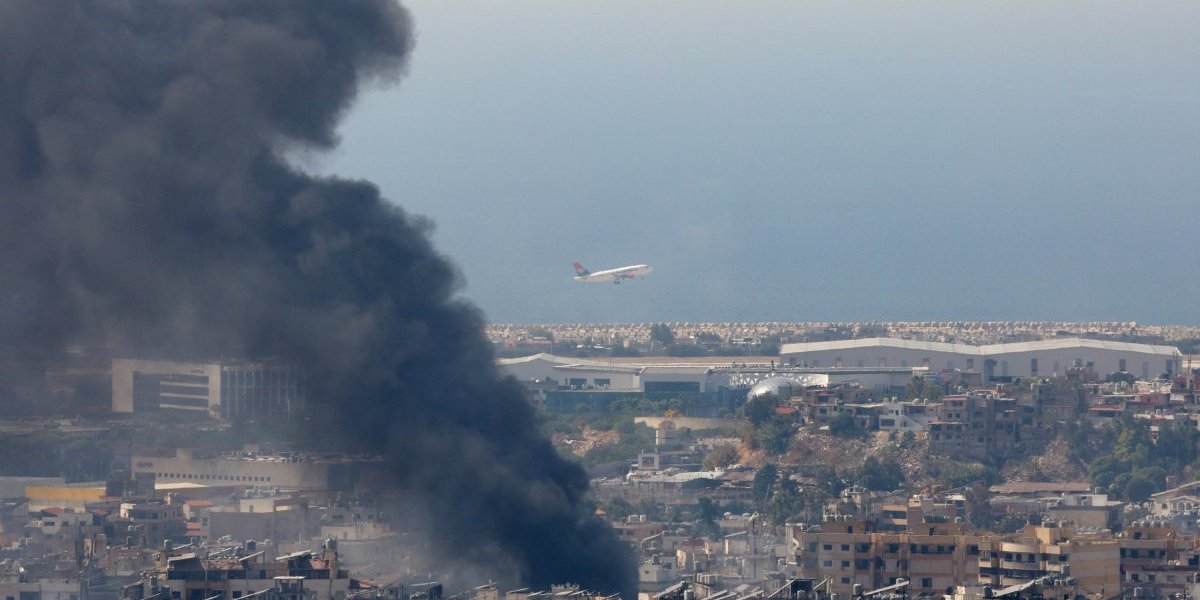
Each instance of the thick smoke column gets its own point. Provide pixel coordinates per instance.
(144, 203)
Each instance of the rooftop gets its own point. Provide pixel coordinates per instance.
(986, 350)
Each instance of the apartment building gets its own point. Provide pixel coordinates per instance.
(315, 575)
(845, 551)
(978, 426)
(1093, 559)
(942, 556)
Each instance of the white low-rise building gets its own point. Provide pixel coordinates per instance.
(1022, 359)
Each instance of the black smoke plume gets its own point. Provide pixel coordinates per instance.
(145, 203)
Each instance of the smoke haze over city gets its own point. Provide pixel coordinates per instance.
(145, 204)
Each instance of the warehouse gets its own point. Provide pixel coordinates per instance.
(996, 361)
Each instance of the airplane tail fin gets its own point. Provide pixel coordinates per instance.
(580, 271)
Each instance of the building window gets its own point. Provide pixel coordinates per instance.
(1121, 365)
(1033, 366)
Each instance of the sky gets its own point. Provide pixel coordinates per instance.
(805, 160)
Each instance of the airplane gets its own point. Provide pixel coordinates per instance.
(614, 275)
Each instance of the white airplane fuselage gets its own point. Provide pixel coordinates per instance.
(616, 275)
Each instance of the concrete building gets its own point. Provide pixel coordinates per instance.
(668, 375)
(230, 390)
(265, 517)
(995, 361)
(1094, 511)
(848, 554)
(292, 472)
(1041, 551)
(19, 586)
(977, 426)
(307, 575)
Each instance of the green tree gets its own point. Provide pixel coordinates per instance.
(708, 512)
(541, 332)
(880, 474)
(662, 334)
(1139, 488)
(828, 479)
(785, 503)
(773, 437)
(844, 425)
(761, 409)
(1104, 469)
(648, 507)
(768, 346)
(953, 473)
(764, 479)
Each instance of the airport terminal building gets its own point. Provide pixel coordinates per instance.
(1041, 358)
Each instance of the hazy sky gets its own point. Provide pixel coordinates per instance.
(801, 160)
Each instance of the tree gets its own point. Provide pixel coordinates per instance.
(662, 334)
(618, 509)
(760, 409)
(708, 512)
(1139, 488)
(768, 346)
(773, 437)
(648, 507)
(952, 473)
(1120, 377)
(785, 503)
(880, 474)
(844, 425)
(922, 388)
(764, 478)
(979, 507)
(542, 332)
(828, 479)
(721, 456)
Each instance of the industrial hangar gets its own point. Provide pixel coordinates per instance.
(994, 361)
